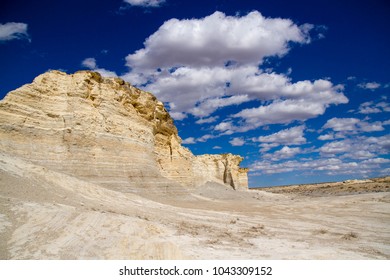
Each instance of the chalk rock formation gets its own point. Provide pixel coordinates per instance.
(224, 167)
(106, 131)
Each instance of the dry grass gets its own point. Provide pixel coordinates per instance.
(350, 236)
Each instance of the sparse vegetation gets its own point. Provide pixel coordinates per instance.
(321, 231)
(349, 236)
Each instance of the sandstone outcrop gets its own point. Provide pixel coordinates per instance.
(105, 131)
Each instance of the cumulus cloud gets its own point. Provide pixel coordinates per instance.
(90, 63)
(290, 136)
(372, 108)
(368, 108)
(370, 126)
(324, 137)
(376, 161)
(202, 65)
(354, 154)
(370, 85)
(226, 128)
(209, 106)
(178, 115)
(145, 3)
(329, 166)
(287, 111)
(237, 141)
(205, 137)
(193, 140)
(358, 155)
(207, 120)
(336, 147)
(342, 124)
(357, 147)
(13, 30)
(352, 125)
(189, 140)
(265, 147)
(216, 40)
(283, 153)
(382, 143)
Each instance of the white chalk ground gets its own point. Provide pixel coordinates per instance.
(49, 215)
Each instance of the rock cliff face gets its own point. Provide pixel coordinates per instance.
(106, 131)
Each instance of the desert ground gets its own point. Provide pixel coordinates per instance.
(50, 215)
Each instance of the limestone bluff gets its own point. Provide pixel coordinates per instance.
(106, 131)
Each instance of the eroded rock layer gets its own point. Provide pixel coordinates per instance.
(106, 131)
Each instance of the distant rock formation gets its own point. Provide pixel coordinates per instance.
(105, 131)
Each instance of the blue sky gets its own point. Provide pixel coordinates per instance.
(298, 88)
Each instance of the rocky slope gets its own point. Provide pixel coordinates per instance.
(105, 131)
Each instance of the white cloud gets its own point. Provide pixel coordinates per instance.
(237, 141)
(265, 147)
(192, 140)
(300, 101)
(226, 128)
(186, 87)
(324, 137)
(384, 106)
(13, 30)
(376, 161)
(189, 140)
(336, 147)
(201, 91)
(342, 124)
(268, 86)
(205, 137)
(282, 112)
(357, 147)
(290, 136)
(216, 40)
(211, 105)
(202, 65)
(207, 120)
(283, 153)
(90, 63)
(372, 108)
(178, 116)
(382, 143)
(370, 85)
(145, 3)
(105, 73)
(357, 156)
(367, 109)
(217, 147)
(331, 166)
(370, 127)
(352, 125)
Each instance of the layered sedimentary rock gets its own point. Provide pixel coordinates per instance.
(106, 131)
(224, 168)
